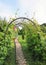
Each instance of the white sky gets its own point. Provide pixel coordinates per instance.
(24, 6)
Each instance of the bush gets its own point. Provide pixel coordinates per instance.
(4, 49)
(35, 44)
(5, 44)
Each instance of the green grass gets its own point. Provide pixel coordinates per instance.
(27, 53)
(11, 60)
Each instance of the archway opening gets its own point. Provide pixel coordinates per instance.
(18, 23)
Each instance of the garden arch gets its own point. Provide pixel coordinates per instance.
(14, 20)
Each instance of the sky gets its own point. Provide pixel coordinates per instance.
(24, 8)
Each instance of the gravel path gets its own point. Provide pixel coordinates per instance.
(19, 54)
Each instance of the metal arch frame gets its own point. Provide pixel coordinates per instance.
(15, 20)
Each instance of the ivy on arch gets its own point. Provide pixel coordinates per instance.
(24, 18)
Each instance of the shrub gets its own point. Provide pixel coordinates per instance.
(35, 44)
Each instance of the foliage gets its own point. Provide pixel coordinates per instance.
(5, 44)
(43, 27)
(22, 32)
(36, 42)
(28, 54)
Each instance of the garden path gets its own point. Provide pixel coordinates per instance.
(19, 54)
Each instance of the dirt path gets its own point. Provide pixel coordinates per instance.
(19, 54)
